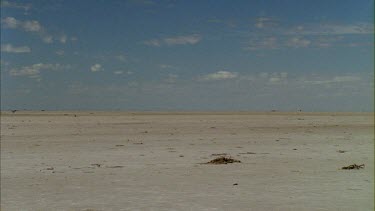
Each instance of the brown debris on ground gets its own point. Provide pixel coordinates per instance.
(223, 160)
(353, 166)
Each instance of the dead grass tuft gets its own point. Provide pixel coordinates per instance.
(353, 166)
(223, 160)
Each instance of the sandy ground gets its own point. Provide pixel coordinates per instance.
(153, 161)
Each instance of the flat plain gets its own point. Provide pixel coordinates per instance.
(156, 161)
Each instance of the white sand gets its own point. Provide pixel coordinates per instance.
(151, 161)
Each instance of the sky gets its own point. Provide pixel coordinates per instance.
(167, 55)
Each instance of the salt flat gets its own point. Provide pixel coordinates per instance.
(153, 161)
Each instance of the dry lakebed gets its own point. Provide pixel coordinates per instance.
(161, 161)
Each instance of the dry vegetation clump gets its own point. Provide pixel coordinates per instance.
(223, 160)
(353, 166)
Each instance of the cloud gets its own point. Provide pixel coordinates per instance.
(263, 22)
(220, 75)
(263, 75)
(277, 78)
(28, 25)
(152, 42)
(31, 26)
(96, 68)
(166, 66)
(8, 48)
(326, 41)
(346, 78)
(229, 23)
(60, 52)
(178, 40)
(332, 29)
(10, 22)
(309, 35)
(283, 42)
(171, 78)
(34, 27)
(25, 7)
(63, 38)
(47, 38)
(183, 40)
(298, 42)
(33, 71)
(121, 58)
(274, 79)
(118, 72)
(263, 43)
(336, 79)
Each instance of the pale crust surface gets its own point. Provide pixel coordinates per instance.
(153, 161)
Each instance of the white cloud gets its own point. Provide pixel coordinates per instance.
(336, 79)
(10, 22)
(153, 42)
(31, 26)
(277, 78)
(263, 43)
(220, 75)
(14, 5)
(63, 38)
(28, 25)
(178, 40)
(171, 78)
(60, 52)
(118, 72)
(266, 78)
(25, 71)
(183, 40)
(298, 42)
(229, 23)
(47, 39)
(263, 75)
(96, 68)
(122, 58)
(8, 48)
(166, 66)
(271, 43)
(312, 35)
(333, 29)
(284, 75)
(34, 27)
(274, 79)
(346, 78)
(263, 22)
(326, 41)
(259, 24)
(33, 71)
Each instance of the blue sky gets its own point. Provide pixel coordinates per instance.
(187, 55)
